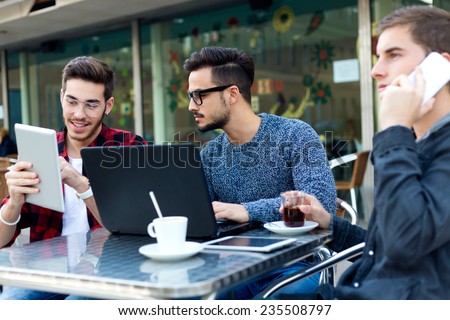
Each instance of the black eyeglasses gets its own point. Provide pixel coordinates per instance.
(198, 94)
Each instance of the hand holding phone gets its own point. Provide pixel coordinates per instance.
(436, 73)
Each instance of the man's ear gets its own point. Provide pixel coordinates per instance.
(109, 105)
(446, 55)
(61, 95)
(234, 94)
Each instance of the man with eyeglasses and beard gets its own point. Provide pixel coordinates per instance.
(86, 98)
(258, 156)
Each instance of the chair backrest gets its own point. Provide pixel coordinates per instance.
(3, 186)
(359, 168)
(343, 207)
(4, 162)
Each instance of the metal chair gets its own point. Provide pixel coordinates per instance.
(4, 165)
(328, 259)
(326, 264)
(344, 207)
(3, 186)
(359, 168)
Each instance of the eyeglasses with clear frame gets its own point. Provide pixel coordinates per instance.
(198, 94)
(90, 108)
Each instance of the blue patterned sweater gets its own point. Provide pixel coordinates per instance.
(285, 154)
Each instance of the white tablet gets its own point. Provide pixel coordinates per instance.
(258, 244)
(38, 146)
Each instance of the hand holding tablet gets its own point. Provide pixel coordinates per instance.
(38, 146)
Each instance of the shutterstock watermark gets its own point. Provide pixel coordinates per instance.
(267, 153)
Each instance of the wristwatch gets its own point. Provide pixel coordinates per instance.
(85, 195)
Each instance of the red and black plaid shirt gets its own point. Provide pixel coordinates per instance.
(45, 223)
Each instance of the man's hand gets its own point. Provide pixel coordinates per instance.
(230, 211)
(71, 177)
(314, 211)
(401, 102)
(21, 182)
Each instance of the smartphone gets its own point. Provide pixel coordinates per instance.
(258, 244)
(436, 72)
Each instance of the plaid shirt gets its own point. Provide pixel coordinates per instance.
(45, 223)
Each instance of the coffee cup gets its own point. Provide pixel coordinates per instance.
(292, 215)
(170, 233)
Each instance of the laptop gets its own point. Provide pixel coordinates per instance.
(121, 178)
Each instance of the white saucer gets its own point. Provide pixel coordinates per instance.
(152, 251)
(280, 228)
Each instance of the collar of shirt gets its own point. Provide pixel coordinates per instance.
(435, 127)
(61, 139)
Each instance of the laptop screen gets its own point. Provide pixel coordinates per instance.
(121, 178)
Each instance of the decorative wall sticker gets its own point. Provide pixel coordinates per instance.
(323, 53)
(321, 93)
(283, 19)
(315, 22)
(293, 110)
(125, 109)
(174, 60)
(172, 90)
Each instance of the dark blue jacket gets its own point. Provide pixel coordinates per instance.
(407, 253)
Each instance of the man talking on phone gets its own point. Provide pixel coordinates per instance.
(407, 251)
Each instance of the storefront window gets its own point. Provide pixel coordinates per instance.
(14, 96)
(305, 58)
(146, 78)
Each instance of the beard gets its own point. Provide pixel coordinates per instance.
(89, 135)
(219, 120)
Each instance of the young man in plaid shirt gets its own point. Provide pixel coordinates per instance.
(86, 98)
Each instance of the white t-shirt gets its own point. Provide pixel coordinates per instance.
(74, 217)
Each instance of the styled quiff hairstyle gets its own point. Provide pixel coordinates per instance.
(92, 70)
(228, 66)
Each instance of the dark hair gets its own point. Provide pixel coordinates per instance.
(89, 69)
(229, 66)
(429, 26)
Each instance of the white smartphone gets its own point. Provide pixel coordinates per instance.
(258, 244)
(436, 72)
